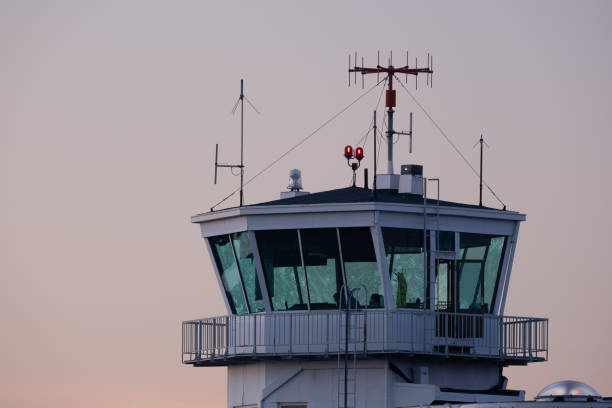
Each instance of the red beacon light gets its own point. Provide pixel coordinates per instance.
(359, 153)
(348, 152)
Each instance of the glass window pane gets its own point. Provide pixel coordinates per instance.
(470, 286)
(280, 258)
(492, 270)
(473, 246)
(406, 260)
(226, 264)
(322, 261)
(242, 246)
(442, 300)
(360, 267)
(489, 249)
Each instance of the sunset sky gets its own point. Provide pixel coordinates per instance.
(109, 115)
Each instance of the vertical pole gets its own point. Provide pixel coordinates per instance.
(390, 141)
(410, 132)
(390, 104)
(481, 142)
(425, 257)
(346, 342)
(375, 136)
(241, 141)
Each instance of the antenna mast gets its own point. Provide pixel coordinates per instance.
(481, 143)
(241, 142)
(240, 166)
(390, 71)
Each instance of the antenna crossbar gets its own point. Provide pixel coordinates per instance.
(391, 72)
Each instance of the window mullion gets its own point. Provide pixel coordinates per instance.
(346, 289)
(303, 268)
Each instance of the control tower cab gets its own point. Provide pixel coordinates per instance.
(426, 282)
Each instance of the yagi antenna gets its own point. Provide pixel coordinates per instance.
(240, 166)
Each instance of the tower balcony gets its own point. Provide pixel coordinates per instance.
(235, 339)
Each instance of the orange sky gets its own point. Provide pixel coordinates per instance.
(109, 112)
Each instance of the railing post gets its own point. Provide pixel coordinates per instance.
(501, 337)
(254, 335)
(326, 333)
(290, 333)
(529, 336)
(214, 338)
(365, 332)
(197, 340)
(227, 336)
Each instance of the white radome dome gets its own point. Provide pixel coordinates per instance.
(568, 391)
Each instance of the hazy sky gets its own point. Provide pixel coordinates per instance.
(109, 113)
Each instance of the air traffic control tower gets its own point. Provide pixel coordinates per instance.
(360, 298)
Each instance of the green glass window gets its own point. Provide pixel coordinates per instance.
(480, 263)
(226, 264)
(280, 257)
(406, 260)
(360, 267)
(246, 264)
(492, 269)
(470, 286)
(322, 262)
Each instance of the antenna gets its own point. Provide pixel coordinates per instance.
(375, 137)
(390, 71)
(240, 166)
(482, 142)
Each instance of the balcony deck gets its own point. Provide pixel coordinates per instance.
(234, 339)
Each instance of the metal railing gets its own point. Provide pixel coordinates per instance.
(217, 339)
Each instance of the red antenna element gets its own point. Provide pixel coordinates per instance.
(428, 67)
(390, 99)
(406, 66)
(391, 71)
(349, 70)
(355, 78)
(431, 69)
(362, 78)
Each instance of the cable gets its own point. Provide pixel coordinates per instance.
(364, 138)
(450, 142)
(328, 121)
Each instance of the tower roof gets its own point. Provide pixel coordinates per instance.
(361, 195)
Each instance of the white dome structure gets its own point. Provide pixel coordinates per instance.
(568, 391)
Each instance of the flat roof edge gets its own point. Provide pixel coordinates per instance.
(360, 206)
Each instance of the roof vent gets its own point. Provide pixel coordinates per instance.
(295, 185)
(568, 391)
(411, 179)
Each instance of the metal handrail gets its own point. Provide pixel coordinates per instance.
(389, 331)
